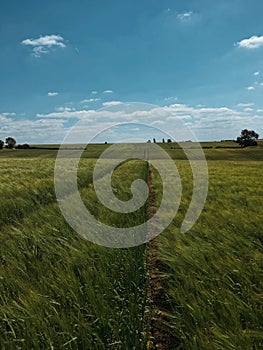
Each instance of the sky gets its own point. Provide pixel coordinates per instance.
(199, 62)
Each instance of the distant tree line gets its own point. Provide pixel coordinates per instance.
(154, 140)
(10, 143)
(246, 138)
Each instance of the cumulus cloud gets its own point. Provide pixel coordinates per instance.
(34, 130)
(52, 93)
(206, 122)
(44, 44)
(250, 88)
(253, 42)
(256, 73)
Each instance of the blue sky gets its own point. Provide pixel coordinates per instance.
(201, 59)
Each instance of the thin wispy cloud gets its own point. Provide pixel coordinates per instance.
(44, 44)
(88, 100)
(9, 114)
(185, 16)
(111, 103)
(254, 42)
(256, 73)
(250, 88)
(65, 109)
(94, 92)
(171, 98)
(52, 93)
(245, 104)
(108, 92)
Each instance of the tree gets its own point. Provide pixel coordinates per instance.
(24, 146)
(1, 144)
(10, 142)
(247, 138)
(154, 140)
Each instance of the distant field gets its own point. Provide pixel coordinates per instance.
(213, 151)
(58, 291)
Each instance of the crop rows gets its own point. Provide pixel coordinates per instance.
(59, 291)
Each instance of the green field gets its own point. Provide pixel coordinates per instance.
(59, 291)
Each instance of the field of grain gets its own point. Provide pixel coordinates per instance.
(59, 291)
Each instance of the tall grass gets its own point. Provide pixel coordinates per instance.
(212, 275)
(59, 291)
(56, 289)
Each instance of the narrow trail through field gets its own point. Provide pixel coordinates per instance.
(159, 337)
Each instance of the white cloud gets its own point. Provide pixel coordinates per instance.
(256, 73)
(184, 117)
(208, 123)
(185, 16)
(34, 130)
(259, 110)
(52, 93)
(9, 114)
(245, 104)
(250, 88)
(65, 112)
(158, 122)
(90, 100)
(253, 42)
(111, 103)
(65, 109)
(44, 44)
(94, 92)
(172, 112)
(4, 119)
(171, 98)
(108, 92)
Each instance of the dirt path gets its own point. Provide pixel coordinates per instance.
(160, 337)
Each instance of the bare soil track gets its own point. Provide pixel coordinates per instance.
(160, 336)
